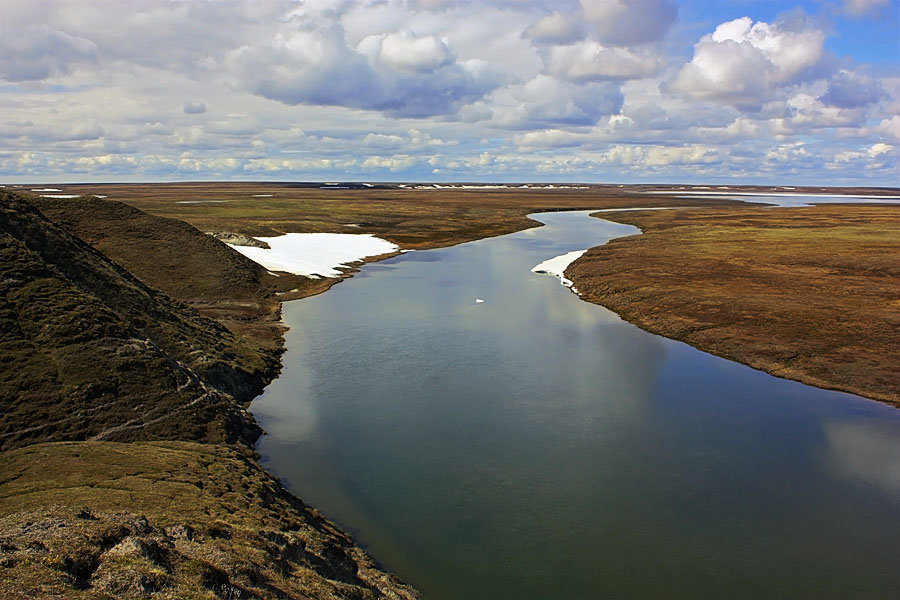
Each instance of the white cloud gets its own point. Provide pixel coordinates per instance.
(545, 101)
(392, 163)
(83, 130)
(890, 127)
(406, 52)
(739, 129)
(592, 61)
(629, 22)
(879, 149)
(193, 108)
(879, 156)
(306, 66)
(745, 64)
(549, 138)
(398, 73)
(792, 153)
(473, 89)
(658, 156)
(557, 28)
(39, 52)
(848, 89)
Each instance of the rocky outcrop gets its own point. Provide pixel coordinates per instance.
(238, 239)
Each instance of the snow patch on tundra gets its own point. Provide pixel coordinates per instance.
(557, 266)
(315, 254)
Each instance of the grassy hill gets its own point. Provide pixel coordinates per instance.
(186, 264)
(91, 355)
(91, 352)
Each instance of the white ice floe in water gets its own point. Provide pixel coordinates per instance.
(557, 266)
(315, 254)
(479, 301)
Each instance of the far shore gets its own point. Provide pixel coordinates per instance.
(805, 293)
(811, 294)
(447, 214)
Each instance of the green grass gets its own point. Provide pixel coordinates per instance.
(173, 520)
(89, 350)
(805, 293)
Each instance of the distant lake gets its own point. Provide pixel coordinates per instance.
(536, 446)
(782, 198)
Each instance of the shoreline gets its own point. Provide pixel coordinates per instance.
(764, 340)
(384, 298)
(418, 235)
(631, 318)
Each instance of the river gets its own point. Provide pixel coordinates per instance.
(537, 446)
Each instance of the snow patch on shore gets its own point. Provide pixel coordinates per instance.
(557, 266)
(315, 254)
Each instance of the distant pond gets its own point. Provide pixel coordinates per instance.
(536, 446)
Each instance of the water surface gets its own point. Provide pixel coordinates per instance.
(785, 199)
(537, 446)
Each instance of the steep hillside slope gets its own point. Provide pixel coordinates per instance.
(186, 264)
(89, 351)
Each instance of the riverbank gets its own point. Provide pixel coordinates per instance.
(522, 430)
(804, 293)
(97, 367)
(246, 301)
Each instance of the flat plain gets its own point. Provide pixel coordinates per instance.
(809, 293)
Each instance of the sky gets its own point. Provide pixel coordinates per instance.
(617, 91)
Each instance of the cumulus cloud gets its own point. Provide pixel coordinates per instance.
(38, 52)
(549, 138)
(807, 113)
(306, 66)
(876, 157)
(792, 153)
(557, 28)
(83, 130)
(746, 64)
(890, 127)
(467, 88)
(398, 162)
(630, 22)
(658, 156)
(399, 73)
(739, 129)
(194, 108)
(592, 61)
(545, 101)
(404, 51)
(612, 22)
(852, 90)
(873, 151)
